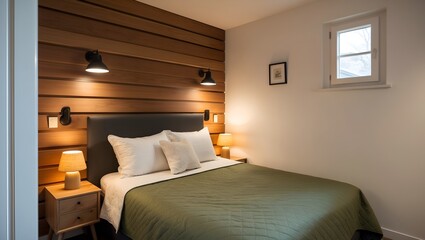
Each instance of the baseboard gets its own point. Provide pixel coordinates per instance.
(394, 235)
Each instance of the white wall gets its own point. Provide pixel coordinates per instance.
(18, 120)
(374, 139)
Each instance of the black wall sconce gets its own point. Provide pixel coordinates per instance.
(207, 81)
(206, 115)
(65, 118)
(95, 62)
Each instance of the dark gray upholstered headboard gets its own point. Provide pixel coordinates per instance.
(100, 155)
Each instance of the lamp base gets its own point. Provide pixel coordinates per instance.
(72, 180)
(225, 152)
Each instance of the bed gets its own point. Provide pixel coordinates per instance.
(222, 199)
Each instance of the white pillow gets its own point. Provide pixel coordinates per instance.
(200, 141)
(138, 156)
(180, 156)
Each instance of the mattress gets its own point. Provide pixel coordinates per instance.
(247, 202)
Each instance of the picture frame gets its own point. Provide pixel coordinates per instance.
(278, 73)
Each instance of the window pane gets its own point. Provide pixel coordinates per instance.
(354, 41)
(355, 66)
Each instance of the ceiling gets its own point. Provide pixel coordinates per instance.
(226, 14)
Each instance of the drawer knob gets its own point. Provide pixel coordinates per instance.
(78, 218)
(78, 202)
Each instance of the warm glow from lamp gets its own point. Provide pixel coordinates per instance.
(72, 162)
(225, 140)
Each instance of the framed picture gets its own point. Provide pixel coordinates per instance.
(277, 73)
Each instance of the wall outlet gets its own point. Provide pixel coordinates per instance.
(52, 122)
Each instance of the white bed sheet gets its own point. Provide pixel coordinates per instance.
(115, 187)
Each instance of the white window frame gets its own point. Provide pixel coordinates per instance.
(377, 21)
(374, 24)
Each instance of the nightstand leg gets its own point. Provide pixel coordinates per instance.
(60, 236)
(93, 232)
(50, 234)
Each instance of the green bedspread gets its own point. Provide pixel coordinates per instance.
(247, 202)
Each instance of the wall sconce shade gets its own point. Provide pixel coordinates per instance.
(95, 62)
(207, 81)
(65, 118)
(72, 162)
(225, 140)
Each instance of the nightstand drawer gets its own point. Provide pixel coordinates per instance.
(78, 203)
(78, 218)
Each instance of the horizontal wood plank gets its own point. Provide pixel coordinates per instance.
(51, 157)
(214, 128)
(77, 122)
(90, 105)
(90, 89)
(52, 175)
(54, 36)
(131, 21)
(75, 57)
(72, 23)
(159, 15)
(62, 139)
(68, 72)
(220, 118)
(71, 72)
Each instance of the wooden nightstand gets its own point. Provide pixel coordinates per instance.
(240, 159)
(70, 209)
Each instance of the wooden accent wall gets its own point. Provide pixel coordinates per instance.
(153, 56)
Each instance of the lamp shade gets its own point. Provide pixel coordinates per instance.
(225, 139)
(72, 161)
(96, 64)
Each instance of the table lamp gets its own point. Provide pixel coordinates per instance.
(225, 140)
(72, 162)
